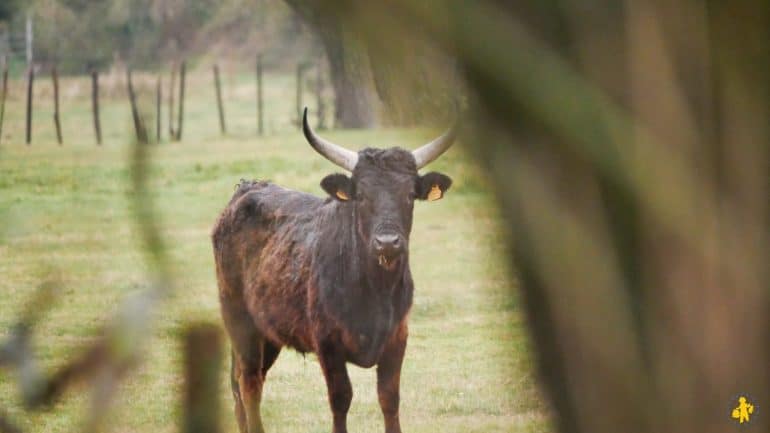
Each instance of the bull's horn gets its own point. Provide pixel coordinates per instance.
(429, 152)
(345, 158)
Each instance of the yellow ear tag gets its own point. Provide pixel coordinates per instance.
(342, 196)
(435, 193)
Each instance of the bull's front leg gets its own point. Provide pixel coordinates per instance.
(337, 384)
(389, 378)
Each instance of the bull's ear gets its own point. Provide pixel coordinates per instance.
(432, 186)
(338, 186)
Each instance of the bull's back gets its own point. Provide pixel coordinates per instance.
(262, 253)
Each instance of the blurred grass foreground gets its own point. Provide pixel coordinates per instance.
(608, 235)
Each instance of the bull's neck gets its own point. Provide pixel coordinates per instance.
(351, 286)
(363, 269)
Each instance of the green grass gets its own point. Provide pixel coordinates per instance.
(65, 210)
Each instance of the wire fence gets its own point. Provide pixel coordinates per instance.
(16, 44)
(245, 98)
(223, 97)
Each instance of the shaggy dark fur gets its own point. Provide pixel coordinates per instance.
(305, 272)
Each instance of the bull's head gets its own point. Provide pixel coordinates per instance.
(382, 189)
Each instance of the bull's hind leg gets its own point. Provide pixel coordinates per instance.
(250, 384)
(270, 353)
(235, 373)
(247, 375)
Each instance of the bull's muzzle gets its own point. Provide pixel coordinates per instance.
(388, 247)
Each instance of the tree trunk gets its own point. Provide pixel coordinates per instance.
(349, 66)
(416, 83)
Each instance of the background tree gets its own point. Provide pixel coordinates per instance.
(405, 89)
(348, 64)
(152, 33)
(7, 9)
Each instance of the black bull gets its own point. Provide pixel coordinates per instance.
(329, 276)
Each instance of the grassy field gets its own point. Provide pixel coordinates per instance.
(65, 209)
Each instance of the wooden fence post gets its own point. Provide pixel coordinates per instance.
(56, 118)
(182, 70)
(95, 105)
(171, 87)
(2, 101)
(158, 102)
(141, 133)
(260, 114)
(202, 364)
(300, 90)
(218, 88)
(30, 84)
(319, 97)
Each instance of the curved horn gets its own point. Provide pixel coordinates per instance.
(429, 152)
(345, 158)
